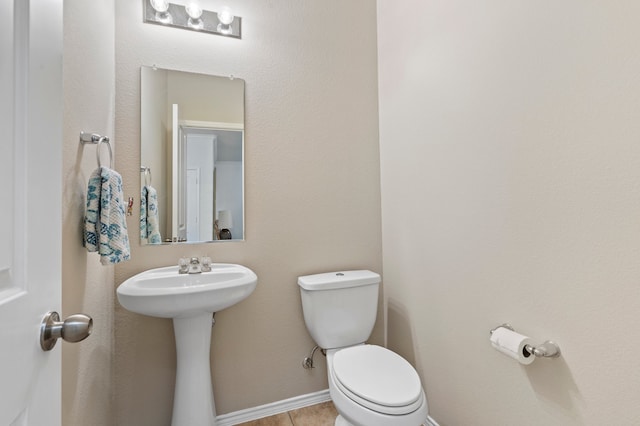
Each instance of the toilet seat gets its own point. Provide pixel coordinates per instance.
(378, 379)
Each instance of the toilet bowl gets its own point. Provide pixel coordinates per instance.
(369, 385)
(372, 386)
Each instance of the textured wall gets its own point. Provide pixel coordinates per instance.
(312, 191)
(89, 95)
(510, 169)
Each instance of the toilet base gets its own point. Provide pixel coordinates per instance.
(341, 421)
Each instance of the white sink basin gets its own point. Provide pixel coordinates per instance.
(164, 293)
(190, 299)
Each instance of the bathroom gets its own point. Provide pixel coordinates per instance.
(482, 156)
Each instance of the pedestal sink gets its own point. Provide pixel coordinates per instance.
(190, 300)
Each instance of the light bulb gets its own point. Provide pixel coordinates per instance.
(194, 10)
(225, 16)
(162, 15)
(160, 6)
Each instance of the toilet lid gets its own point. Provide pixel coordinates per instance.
(381, 379)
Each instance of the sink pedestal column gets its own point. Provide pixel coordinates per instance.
(193, 399)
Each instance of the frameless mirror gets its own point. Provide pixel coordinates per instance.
(192, 151)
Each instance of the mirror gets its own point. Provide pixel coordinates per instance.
(192, 151)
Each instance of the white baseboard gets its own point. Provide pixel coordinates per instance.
(277, 407)
(283, 406)
(431, 421)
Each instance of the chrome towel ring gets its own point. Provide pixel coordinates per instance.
(96, 139)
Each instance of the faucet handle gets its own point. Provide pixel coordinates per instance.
(183, 266)
(206, 264)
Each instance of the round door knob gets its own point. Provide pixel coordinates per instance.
(75, 328)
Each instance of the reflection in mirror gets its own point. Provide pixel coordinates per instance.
(192, 150)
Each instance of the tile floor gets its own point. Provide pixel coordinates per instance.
(323, 414)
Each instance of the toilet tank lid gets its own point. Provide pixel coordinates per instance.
(341, 279)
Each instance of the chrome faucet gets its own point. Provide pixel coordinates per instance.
(194, 265)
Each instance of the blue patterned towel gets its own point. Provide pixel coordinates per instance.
(149, 226)
(105, 226)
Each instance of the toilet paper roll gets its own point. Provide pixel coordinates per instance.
(512, 344)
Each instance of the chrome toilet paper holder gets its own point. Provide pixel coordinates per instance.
(548, 349)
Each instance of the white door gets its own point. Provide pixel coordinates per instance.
(30, 207)
(193, 205)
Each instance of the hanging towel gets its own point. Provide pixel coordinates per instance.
(105, 226)
(149, 225)
(143, 214)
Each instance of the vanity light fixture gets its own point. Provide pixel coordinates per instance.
(192, 17)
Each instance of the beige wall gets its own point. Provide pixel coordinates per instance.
(202, 98)
(155, 126)
(89, 94)
(312, 191)
(510, 169)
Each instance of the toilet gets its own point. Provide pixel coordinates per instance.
(369, 385)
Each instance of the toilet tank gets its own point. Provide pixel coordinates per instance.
(340, 308)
